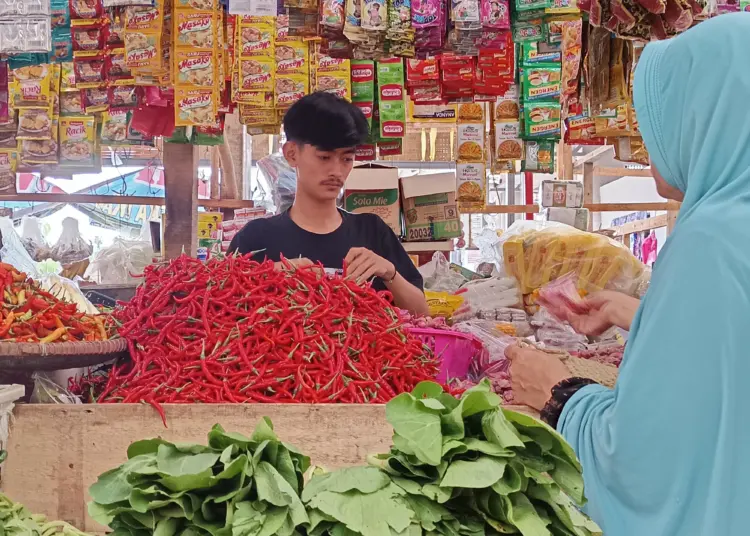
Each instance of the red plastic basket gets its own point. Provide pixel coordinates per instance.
(454, 349)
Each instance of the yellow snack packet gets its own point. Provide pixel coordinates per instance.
(194, 106)
(77, 141)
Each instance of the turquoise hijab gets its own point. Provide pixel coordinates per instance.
(667, 452)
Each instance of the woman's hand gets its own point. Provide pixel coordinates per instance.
(602, 311)
(533, 374)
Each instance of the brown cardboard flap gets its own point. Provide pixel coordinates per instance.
(435, 183)
(372, 177)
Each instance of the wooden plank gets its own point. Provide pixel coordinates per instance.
(641, 225)
(55, 452)
(180, 195)
(504, 209)
(588, 189)
(592, 156)
(82, 199)
(671, 220)
(621, 172)
(630, 207)
(215, 194)
(417, 247)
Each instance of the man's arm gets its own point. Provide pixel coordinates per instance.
(407, 296)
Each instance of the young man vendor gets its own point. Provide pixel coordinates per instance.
(322, 131)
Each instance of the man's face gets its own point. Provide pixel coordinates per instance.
(320, 174)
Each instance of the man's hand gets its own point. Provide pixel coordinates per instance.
(362, 265)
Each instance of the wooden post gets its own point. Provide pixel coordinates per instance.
(215, 194)
(564, 161)
(180, 199)
(588, 189)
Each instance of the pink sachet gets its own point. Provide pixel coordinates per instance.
(561, 295)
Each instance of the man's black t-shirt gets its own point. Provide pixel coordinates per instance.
(280, 235)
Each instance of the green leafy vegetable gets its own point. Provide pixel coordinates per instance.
(16, 520)
(234, 486)
(467, 466)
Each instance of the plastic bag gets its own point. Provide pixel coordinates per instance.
(282, 178)
(119, 263)
(489, 299)
(536, 253)
(13, 251)
(67, 291)
(438, 275)
(561, 295)
(442, 304)
(47, 391)
(492, 363)
(70, 247)
(553, 333)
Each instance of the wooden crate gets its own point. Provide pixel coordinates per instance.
(55, 452)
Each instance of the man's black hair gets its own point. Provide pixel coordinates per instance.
(325, 121)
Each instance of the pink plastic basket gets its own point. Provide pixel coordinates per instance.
(455, 350)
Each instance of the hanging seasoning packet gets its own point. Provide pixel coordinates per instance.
(77, 141)
(8, 165)
(390, 74)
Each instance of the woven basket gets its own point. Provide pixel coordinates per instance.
(583, 368)
(59, 355)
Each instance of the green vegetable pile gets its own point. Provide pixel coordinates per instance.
(457, 467)
(235, 486)
(16, 520)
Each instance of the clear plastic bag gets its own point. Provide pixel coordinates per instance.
(438, 275)
(554, 333)
(282, 178)
(67, 291)
(46, 391)
(489, 299)
(536, 253)
(71, 246)
(119, 263)
(14, 251)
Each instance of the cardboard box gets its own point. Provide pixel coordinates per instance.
(575, 217)
(567, 194)
(429, 206)
(373, 189)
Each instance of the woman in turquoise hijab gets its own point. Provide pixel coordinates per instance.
(667, 452)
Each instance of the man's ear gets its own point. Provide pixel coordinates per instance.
(291, 153)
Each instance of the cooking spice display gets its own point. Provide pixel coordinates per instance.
(233, 330)
(457, 466)
(30, 314)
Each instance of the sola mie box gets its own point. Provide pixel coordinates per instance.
(429, 206)
(373, 189)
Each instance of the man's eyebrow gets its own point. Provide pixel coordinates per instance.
(350, 150)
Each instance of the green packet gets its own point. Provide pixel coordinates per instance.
(390, 72)
(533, 53)
(541, 120)
(530, 5)
(541, 81)
(539, 156)
(529, 31)
(363, 80)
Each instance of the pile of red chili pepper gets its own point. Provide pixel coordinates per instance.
(30, 314)
(234, 330)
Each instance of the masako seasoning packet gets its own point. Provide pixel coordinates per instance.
(390, 73)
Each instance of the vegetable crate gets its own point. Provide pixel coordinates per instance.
(454, 349)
